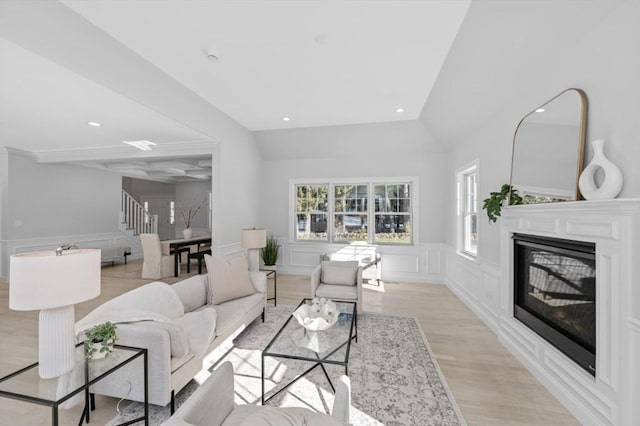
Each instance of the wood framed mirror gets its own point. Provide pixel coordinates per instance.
(548, 149)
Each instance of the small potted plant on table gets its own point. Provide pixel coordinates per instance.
(99, 340)
(270, 253)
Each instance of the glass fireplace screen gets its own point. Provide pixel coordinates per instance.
(555, 293)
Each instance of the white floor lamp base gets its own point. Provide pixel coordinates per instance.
(56, 343)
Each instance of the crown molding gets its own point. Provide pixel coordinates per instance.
(171, 149)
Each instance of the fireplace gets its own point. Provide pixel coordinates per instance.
(555, 294)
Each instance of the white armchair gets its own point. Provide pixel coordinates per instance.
(213, 405)
(338, 280)
(155, 264)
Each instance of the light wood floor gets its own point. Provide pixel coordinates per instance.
(489, 384)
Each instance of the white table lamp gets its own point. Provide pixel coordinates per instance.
(54, 283)
(253, 240)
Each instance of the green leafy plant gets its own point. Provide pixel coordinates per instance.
(100, 339)
(493, 204)
(270, 251)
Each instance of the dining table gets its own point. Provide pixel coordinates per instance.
(174, 246)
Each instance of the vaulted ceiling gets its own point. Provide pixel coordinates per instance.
(449, 63)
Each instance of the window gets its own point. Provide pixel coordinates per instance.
(468, 210)
(311, 212)
(342, 212)
(393, 213)
(350, 213)
(172, 212)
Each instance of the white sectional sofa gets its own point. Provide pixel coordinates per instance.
(183, 334)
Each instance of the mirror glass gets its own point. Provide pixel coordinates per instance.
(548, 149)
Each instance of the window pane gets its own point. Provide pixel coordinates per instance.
(311, 227)
(404, 206)
(350, 198)
(311, 205)
(393, 229)
(350, 227)
(471, 234)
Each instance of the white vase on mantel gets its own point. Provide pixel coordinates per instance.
(187, 233)
(612, 183)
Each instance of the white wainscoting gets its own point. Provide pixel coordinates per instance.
(612, 397)
(477, 285)
(418, 263)
(103, 240)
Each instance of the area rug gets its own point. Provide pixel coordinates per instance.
(395, 379)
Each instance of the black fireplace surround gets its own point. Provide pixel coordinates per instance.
(555, 294)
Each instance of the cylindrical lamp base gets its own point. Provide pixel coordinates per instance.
(253, 256)
(56, 343)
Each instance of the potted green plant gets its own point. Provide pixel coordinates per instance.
(493, 204)
(270, 252)
(99, 340)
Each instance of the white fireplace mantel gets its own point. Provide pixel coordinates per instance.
(613, 396)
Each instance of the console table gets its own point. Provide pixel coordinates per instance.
(26, 384)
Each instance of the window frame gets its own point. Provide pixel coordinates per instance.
(370, 211)
(463, 212)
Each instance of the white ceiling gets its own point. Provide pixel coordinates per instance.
(320, 63)
(372, 57)
(44, 106)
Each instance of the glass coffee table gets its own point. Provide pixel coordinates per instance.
(26, 385)
(329, 346)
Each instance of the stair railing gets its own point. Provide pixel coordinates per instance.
(136, 217)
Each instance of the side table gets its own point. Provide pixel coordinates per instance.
(273, 272)
(26, 385)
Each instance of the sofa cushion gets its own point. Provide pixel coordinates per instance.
(192, 292)
(178, 338)
(337, 291)
(339, 273)
(228, 280)
(177, 362)
(256, 415)
(229, 313)
(199, 327)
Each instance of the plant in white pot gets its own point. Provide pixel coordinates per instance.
(188, 212)
(270, 252)
(99, 340)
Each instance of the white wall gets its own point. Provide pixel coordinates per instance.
(56, 200)
(190, 193)
(384, 150)
(139, 188)
(401, 149)
(48, 204)
(600, 64)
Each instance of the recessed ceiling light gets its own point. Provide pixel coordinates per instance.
(400, 110)
(213, 54)
(540, 110)
(321, 38)
(142, 145)
(285, 119)
(94, 124)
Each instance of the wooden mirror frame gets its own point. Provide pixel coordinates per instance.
(582, 127)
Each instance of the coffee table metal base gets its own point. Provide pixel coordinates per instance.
(318, 361)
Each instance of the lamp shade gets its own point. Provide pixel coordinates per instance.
(254, 238)
(42, 280)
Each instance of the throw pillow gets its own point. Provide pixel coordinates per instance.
(339, 272)
(228, 280)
